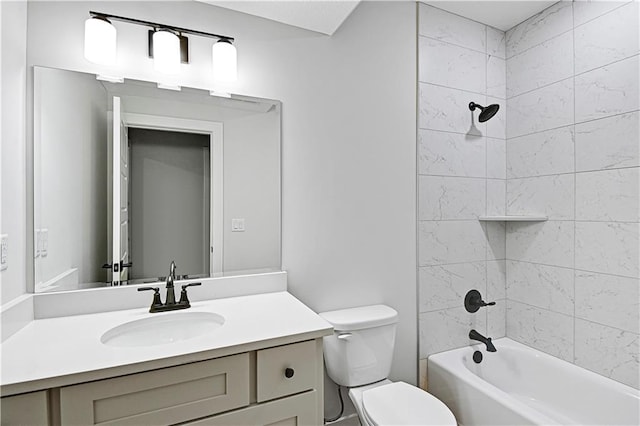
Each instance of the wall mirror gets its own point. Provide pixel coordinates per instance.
(128, 177)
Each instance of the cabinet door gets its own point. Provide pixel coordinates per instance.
(295, 410)
(26, 409)
(166, 396)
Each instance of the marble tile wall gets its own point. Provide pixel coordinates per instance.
(461, 176)
(572, 153)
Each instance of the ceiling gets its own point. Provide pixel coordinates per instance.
(503, 15)
(323, 16)
(326, 16)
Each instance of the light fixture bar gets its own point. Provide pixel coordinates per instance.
(156, 26)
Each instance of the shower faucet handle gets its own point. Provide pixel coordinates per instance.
(473, 301)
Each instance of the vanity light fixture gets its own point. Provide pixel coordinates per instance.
(99, 41)
(224, 58)
(167, 45)
(166, 52)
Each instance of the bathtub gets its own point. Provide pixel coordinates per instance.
(519, 385)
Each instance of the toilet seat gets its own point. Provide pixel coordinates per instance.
(400, 403)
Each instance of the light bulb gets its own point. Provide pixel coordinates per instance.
(225, 61)
(166, 52)
(99, 41)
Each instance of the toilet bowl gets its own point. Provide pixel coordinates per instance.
(358, 356)
(398, 403)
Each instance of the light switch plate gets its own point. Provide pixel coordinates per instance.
(44, 242)
(237, 225)
(36, 243)
(4, 252)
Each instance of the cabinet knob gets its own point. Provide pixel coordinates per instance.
(288, 372)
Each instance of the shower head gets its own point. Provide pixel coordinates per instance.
(486, 112)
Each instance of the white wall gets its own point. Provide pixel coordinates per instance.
(252, 191)
(70, 151)
(13, 205)
(572, 154)
(461, 176)
(349, 137)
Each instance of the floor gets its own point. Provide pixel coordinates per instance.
(351, 420)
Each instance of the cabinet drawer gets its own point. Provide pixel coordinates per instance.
(165, 396)
(301, 409)
(274, 365)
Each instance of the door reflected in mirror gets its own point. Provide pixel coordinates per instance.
(170, 176)
(128, 177)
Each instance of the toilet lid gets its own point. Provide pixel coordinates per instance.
(400, 403)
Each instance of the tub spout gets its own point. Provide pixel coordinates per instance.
(474, 335)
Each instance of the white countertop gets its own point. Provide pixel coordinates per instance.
(61, 351)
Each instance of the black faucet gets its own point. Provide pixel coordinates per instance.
(170, 300)
(474, 335)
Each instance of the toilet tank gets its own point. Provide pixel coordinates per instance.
(361, 348)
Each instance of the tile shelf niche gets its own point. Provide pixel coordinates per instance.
(513, 218)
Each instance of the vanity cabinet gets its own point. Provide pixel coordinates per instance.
(281, 385)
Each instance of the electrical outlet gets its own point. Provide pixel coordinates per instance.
(44, 242)
(237, 225)
(4, 252)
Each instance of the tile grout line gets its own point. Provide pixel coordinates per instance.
(419, 290)
(455, 88)
(486, 174)
(573, 26)
(459, 46)
(566, 315)
(549, 220)
(506, 184)
(569, 125)
(573, 29)
(633, 111)
(546, 85)
(623, 4)
(577, 270)
(581, 172)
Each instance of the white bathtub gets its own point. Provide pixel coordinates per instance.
(519, 385)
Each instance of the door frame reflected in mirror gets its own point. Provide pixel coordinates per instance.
(214, 130)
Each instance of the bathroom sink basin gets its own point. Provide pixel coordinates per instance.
(163, 329)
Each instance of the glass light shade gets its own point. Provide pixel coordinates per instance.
(225, 61)
(99, 41)
(166, 52)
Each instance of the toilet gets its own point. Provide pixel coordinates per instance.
(358, 356)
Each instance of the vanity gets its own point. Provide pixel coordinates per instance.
(262, 365)
(128, 177)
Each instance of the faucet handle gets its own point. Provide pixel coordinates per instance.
(190, 285)
(473, 301)
(184, 299)
(156, 297)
